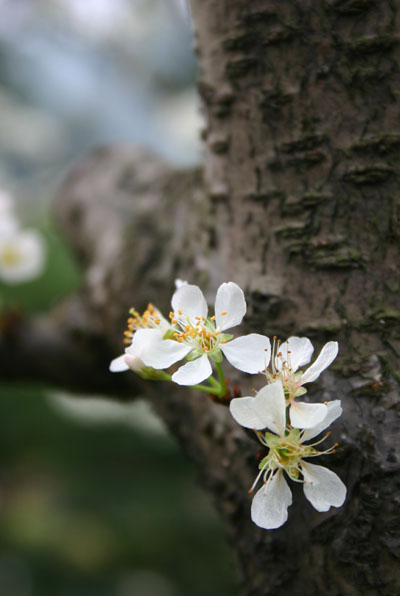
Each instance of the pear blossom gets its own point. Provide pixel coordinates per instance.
(287, 450)
(138, 342)
(202, 338)
(286, 360)
(22, 254)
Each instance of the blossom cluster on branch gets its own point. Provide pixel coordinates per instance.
(283, 424)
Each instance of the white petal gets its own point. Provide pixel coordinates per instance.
(155, 351)
(245, 412)
(271, 502)
(271, 401)
(229, 300)
(334, 410)
(266, 410)
(303, 415)
(296, 351)
(180, 282)
(325, 358)
(190, 300)
(322, 487)
(250, 353)
(193, 372)
(118, 364)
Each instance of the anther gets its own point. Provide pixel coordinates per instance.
(224, 313)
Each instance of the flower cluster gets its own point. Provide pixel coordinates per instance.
(22, 251)
(283, 424)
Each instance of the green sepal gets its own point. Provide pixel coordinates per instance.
(152, 374)
(300, 391)
(295, 433)
(216, 356)
(193, 355)
(263, 463)
(272, 440)
(169, 334)
(226, 336)
(208, 324)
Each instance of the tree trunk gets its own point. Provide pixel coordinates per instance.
(299, 206)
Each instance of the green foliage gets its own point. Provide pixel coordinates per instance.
(84, 506)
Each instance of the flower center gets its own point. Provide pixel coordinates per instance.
(200, 334)
(10, 255)
(286, 453)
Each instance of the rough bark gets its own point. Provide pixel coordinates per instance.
(300, 206)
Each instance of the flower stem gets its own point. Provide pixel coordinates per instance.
(207, 389)
(213, 382)
(221, 378)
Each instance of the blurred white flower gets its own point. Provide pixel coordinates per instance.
(22, 255)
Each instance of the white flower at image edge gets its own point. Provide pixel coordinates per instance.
(22, 255)
(322, 487)
(199, 338)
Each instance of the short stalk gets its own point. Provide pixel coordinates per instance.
(213, 382)
(222, 384)
(213, 390)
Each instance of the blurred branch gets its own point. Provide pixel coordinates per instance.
(60, 349)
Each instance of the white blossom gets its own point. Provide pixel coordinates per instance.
(202, 338)
(22, 254)
(287, 450)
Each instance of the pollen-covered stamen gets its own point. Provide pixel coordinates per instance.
(266, 470)
(287, 453)
(150, 319)
(282, 369)
(205, 339)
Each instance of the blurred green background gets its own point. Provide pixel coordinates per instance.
(95, 497)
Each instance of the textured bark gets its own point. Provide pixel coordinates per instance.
(302, 162)
(300, 206)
